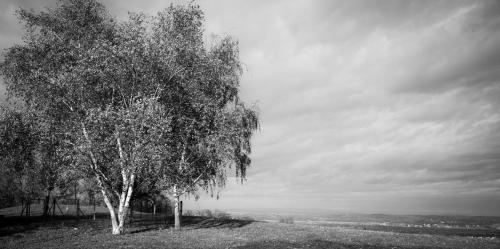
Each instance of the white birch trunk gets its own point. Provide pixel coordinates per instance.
(118, 219)
(122, 217)
(177, 216)
(109, 205)
(127, 189)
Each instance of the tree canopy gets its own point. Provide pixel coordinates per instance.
(135, 99)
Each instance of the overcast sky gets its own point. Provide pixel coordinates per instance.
(365, 106)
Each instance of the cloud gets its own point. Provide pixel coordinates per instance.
(381, 102)
(391, 105)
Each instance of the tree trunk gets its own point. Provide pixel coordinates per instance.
(46, 204)
(177, 216)
(109, 205)
(154, 211)
(28, 208)
(118, 219)
(53, 207)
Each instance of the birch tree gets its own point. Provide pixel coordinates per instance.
(208, 152)
(91, 74)
(141, 96)
(211, 127)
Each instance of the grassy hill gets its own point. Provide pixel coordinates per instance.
(202, 232)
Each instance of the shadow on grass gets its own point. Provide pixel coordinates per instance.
(188, 223)
(319, 244)
(196, 222)
(19, 225)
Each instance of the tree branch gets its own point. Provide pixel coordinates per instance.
(94, 164)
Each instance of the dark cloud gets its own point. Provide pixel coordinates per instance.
(486, 17)
(469, 58)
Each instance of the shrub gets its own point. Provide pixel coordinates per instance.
(205, 213)
(212, 214)
(246, 218)
(221, 215)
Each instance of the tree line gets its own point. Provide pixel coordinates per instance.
(138, 106)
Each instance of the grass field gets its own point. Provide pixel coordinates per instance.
(201, 232)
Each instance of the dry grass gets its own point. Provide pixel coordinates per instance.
(200, 232)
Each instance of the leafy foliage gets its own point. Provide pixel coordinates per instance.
(17, 145)
(29, 150)
(136, 104)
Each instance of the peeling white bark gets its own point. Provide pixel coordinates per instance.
(177, 217)
(128, 177)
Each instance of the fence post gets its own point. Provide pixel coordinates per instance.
(131, 211)
(28, 208)
(140, 214)
(53, 207)
(22, 207)
(166, 213)
(77, 209)
(46, 205)
(46, 209)
(154, 211)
